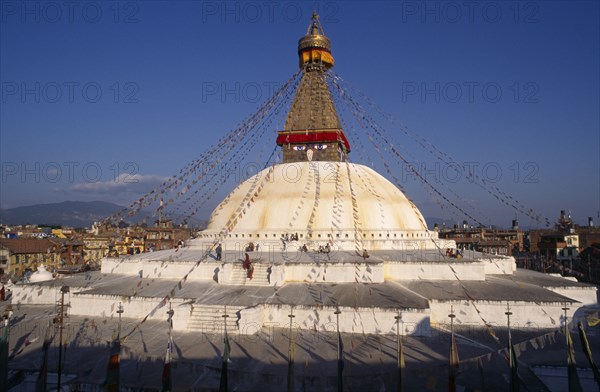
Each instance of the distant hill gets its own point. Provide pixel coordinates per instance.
(67, 213)
(77, 214)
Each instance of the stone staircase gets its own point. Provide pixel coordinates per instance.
(239, 276)
(209, 319)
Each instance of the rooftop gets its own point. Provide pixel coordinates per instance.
(259, 362)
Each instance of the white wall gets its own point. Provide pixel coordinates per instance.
(498, 265)
(434, 271)
(334, 272)
(525, 314)
(585, 295)
(160, 269)
(352, 320)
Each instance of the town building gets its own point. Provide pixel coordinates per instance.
(563, 242)
(20, 255)
(160, 237)
(128, 243)
(97, 247)
(494, 241)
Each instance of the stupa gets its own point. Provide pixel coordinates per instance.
(322, 235)
(315, 244)
(41, 275)
(316, 194)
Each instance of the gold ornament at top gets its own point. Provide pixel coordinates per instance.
(315, 48)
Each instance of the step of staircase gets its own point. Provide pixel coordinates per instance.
(209, 319)
(260, 277)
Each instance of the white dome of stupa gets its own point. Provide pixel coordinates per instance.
(316, 196)
(320, 201)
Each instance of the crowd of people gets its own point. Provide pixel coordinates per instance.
(288, 238)
(251, 247)
(454, 253)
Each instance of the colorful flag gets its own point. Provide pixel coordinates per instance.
(588, 353)
(481, 374)
(514, 373)
(574, 385)
(593, 320)
(4, 355)
(166, 374)
(290, 379)
(453, 372)
(226, 352)
(400, 364)
(340, 364)
(41, 382)
(112, 383)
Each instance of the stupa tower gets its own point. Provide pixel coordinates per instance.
(316, 193)
(312, 131)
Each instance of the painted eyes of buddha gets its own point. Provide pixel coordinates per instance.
(316, 147)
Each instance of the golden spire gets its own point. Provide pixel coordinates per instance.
(313, 131)
(315, 48)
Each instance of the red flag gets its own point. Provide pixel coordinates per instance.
(223, 385)
(166, 374)
(41, 382)
(112, 383)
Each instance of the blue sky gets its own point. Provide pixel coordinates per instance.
(96, 91)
